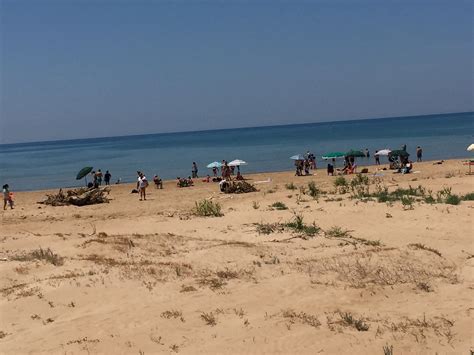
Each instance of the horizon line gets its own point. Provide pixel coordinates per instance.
(232, 128)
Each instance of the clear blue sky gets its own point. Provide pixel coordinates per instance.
(88, 68)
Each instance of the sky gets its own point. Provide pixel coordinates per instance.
(95, 68)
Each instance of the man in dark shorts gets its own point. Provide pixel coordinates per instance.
(107, 177)
(419, 154)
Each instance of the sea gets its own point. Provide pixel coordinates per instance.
(55, 164)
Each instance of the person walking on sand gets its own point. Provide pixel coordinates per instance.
(377, 158)
(142, 184)
(7, 197)
(194, 171)
(107, 177)
(419, 154)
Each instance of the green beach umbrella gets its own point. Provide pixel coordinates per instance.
(355, 153)
(83, 173)
(333, 155)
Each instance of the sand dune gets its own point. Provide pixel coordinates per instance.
(132, 277)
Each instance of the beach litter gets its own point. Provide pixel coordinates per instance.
(78, 197)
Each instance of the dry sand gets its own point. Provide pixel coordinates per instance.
(151, 277)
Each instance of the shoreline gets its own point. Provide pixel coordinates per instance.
(248, 177)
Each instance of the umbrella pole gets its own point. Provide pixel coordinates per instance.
(85, 177)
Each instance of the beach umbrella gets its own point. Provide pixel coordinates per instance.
(297, 157)
(383, 152)
(237, 162)
(333, 155)
(355, 153)
(470, 148)
(83, 173)
(215, 164)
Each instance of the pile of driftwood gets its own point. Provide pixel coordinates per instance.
(78, 197)
(238, 187)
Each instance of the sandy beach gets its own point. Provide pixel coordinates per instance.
(148, 277)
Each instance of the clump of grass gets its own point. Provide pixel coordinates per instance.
(446, 196)
(388, 350)
(255, 205)
(341, 185)
(468, 197)
(424, 286)
(267, 228)
(313, 190)
(206, 208)
(302, 317)
(41, 254)
(279, 206)
(424, 247)
(337, 232)
(209, 318)
(297, 224)
(188, 288)
(407, 202)
(349, 320)
(227, 274)
(360, 186)
(172, 314)
(214, 283)
(291, 186)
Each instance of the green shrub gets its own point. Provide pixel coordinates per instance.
(407, 202)
(208, 208)
(341, 185)
(291, 186)
(279, 206)
(313, 190)
(468, 197)
(360, 186)
(453, 200)
(299, 226)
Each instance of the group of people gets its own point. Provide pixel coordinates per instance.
(98, 177)
(304, 165)
(349, 166)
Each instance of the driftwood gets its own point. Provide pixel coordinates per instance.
(78, 197)
(238, 187)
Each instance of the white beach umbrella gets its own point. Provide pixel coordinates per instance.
(383, 152)
(237, 162)
(470, 148)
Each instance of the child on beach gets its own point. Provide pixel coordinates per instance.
(7, 197)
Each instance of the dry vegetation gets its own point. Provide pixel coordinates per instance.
(323, 273)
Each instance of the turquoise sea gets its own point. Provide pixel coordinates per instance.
(43, 165)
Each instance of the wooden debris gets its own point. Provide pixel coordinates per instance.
(78, 197)
(238, 187)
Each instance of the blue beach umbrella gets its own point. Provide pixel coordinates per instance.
(215, 164)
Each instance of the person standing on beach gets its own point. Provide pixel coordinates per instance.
(194, 171)
(142, 184)
(98, 174)
(419, 154)
(7, 197)
(107, 177)
(367, 153)
(377, 158)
